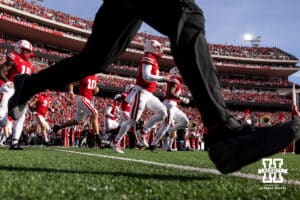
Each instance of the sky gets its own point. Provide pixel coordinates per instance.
(227, 21)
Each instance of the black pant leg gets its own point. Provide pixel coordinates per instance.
(191, 54)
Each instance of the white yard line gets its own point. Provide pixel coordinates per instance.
(180, 167)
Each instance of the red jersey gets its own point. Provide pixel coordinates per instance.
(42, 104)
(21, 66)
(149, 60)
(125, 106)
(87, 86)
(177, 90)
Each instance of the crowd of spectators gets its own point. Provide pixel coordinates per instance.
(264, 82)
(41, 26)
(36, 48)
(63, 108)
(263, 118)
(50, 14)
(250, 52)
(229, 93)
(243, 95)
(236, 63)
(215, 49)
(258, 82)
(254, 95)
(228, 50)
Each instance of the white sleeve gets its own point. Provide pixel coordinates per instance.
(108, 111)
(147, 76)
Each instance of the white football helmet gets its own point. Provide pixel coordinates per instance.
(24, 45)
(117, 97)
(174, 72)
(154, 47)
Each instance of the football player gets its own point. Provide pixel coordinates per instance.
(40, 105)
(141, 95)
(17, 62)
(88, 87)
(172, 97)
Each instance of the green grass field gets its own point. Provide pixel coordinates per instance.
(54, 173)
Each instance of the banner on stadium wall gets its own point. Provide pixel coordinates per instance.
(295, 78)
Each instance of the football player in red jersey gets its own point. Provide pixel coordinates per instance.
(141, 95)
(40, 105)
(172, 97)
(88, 87)
(17, 62)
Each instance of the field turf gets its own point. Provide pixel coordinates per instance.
(91, 173)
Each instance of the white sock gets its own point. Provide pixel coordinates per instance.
(3, 139)
(30, 138)
(123, 130)
(161, 132)
(17, 128)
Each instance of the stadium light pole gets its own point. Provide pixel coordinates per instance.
(254, 40)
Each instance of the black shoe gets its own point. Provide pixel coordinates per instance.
(17, 102)
(47, 144)
(98, 140)
(15, 147)
(249, 145)
(56, 128)
(153, 148)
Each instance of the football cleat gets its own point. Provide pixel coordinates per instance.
(144, 139)
(56, 128)
(15, 147)
(153, 148)
(116, 146)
